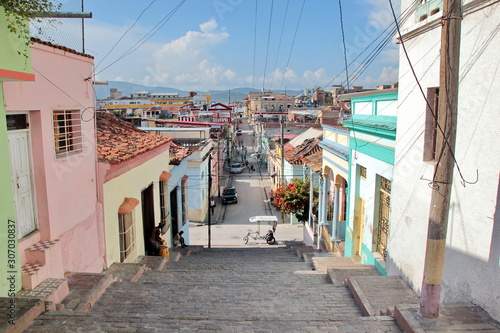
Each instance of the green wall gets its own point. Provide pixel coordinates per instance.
(14, 53)
(9, 257)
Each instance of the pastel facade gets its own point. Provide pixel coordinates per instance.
(132, 164)
(53, 161)
(199, 163)
(471, 265)
(335, 175)
(13, 67)
(371, 142)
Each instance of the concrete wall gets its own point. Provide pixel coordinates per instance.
(471, 271)
(130, 184)
(65, 188)
(13, 66)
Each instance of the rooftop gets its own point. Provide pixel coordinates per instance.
(119, 141)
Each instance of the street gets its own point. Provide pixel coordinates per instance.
(230, 222)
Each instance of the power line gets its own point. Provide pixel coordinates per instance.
(433, 113)
(279, 44)
(124, 34)
(254, 44)
(293, 43)
(146, 37)
(268, 41)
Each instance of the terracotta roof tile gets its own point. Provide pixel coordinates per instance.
(179, 152)
(119, 141)
(301, 154)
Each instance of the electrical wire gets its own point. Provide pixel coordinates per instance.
(433, 113)
(279, 44)
(293, 43)
(254, 44)
(147, 36)
(124, 34)
(268, 41)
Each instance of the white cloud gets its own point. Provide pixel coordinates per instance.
(188, 61)
(388, 75)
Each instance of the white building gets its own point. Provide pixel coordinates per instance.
(471, 265)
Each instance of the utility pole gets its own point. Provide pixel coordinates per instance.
(445, 150)
(209, 194)
(282, 140)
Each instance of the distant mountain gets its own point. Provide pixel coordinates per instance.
(220, 96)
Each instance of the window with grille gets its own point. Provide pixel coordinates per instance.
(184, 203)
(362, 172)
(68, 134)
(163, 204)
(383, 218)
(126, 235)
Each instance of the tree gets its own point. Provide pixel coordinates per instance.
(18, 11)
(293, 198)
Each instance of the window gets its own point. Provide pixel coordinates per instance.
(184, 201)
(126, 235)
(430, 130)
(362, 172)
(163, 204)
(68, 135)
(428, 8)
(17, 121)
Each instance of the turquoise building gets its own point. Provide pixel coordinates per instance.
(372, 137)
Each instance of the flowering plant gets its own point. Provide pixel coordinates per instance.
(293, 198)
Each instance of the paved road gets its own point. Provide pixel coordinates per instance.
(231, 221)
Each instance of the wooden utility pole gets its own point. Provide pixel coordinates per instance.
(445, 151)
(209, 198)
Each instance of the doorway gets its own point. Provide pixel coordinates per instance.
(174, 210)
(148, 216)
(22, 178)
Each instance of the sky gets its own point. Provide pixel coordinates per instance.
(225, 44)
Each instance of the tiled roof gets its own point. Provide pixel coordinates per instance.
(64, 48)
(315, 160)
(179, 152)
(119, 141)
(301, 154)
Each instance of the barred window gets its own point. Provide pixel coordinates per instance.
(362, 172)
(68, 134)
(126, 235)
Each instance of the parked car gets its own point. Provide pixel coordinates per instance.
(229, 195)
(236, 167)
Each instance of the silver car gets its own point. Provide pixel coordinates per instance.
(236, 167)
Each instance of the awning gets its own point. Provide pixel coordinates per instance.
(127, 206)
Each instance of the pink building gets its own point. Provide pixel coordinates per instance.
(51, 132)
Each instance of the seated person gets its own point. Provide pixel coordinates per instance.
(156, 240)
(178, 239)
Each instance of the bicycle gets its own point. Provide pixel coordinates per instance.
(269, 237)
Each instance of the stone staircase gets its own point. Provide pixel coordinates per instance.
(225, 290)
(270, 289)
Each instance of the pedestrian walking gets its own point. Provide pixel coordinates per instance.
(212, 205)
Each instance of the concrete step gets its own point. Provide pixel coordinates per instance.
(378, 295)
(322, 264)
(126, 271)
(19, 313)
(43, 261)
(49, 290)
(160, 322)
(338, 275)
(216, 277)
(85, 289)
